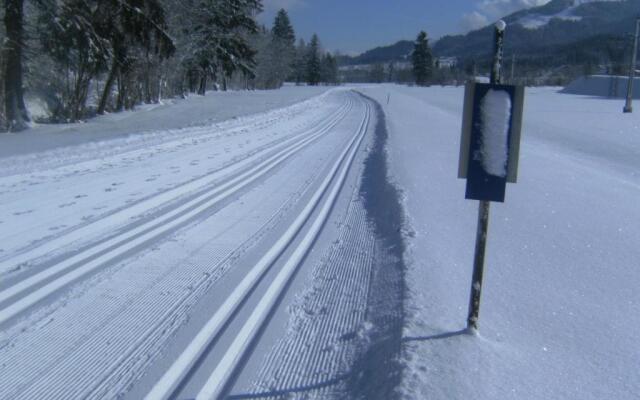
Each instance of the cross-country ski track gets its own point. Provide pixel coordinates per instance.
(171, 265)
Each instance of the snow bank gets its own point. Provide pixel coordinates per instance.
(603, 86)
(496, 115)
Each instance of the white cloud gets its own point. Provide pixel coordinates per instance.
(495, 9)
(491, 10)
(473, 21)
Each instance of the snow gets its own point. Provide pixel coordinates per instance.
(535, 21)
(220, 376)
(603, 86)
(239, 348)
(560, 309)
(109, 245)
(121, 240)
(167, 115)
(495, 108)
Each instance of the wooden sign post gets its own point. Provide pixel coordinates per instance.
(489, 151)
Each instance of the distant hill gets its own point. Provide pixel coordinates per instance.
(552, 44)
(533, 31)
(399, 51)
(552, 26)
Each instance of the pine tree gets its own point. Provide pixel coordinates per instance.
(422, 60)
(329, 69)
(282, 47)
(127, 23)
(73, 36)
(266, 76)
(283, 31)
(217, 38)
(300, 62)
(313, 68)
(15, 110)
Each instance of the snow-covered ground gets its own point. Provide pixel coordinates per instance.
(169, 114)
(261, 255)
(152, 264)
(611, 86)
(560, 311)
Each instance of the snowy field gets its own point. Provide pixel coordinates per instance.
(249, 244)
(560, 309)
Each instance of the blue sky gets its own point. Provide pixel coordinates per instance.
(353, 26)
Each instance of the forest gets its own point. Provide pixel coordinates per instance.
(81, 58)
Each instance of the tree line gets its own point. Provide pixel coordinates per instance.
(416, 67)
(88, 57)
(555, 65)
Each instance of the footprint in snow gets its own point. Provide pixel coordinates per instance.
(80, 196)
(65, 205)
(348, 336)
(22, 212)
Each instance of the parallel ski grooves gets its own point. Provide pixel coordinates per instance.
(314, 355)
(152, 230)
(51, 244)
(224, 372)
(180, 369)
(217, 177)
(98, 387)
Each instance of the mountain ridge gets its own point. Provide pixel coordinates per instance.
(559, 24)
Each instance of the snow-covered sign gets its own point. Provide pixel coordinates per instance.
(490, 142)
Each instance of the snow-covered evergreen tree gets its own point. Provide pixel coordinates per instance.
(127, 24)
(283, 47)
(276, 53)
(73, 36)
(216, 38)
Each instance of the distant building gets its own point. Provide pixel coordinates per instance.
(446, 62)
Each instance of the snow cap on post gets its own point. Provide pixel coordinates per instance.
(501, 25)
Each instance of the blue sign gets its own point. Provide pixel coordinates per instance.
(491, 139)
